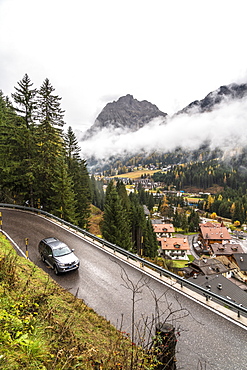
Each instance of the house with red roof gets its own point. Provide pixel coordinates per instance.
(163, 230)
(174, 248)
(210, 233)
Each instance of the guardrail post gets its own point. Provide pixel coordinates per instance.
(26, 242)
(1, 222)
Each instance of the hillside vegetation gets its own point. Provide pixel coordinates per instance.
(42, 326)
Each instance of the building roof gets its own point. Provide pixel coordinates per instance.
(209, 266)
(175, 244)
(163, 228)
(226, 249)
(214, 231)
(241, 260)
(222, 286)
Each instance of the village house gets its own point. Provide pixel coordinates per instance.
(174, 248)
(209, 266)
(226, 249)
(163, 230)
(210, 233)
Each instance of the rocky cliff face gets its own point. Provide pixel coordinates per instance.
(127, 113)
(224, 93)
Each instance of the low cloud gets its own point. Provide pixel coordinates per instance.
(224, 127)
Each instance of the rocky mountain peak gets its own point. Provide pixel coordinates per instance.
(223, 93)
(127, 113)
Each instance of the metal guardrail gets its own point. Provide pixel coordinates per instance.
(238, 308)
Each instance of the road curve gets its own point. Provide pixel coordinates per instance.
(206, 341)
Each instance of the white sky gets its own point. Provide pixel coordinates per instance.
(167, 52)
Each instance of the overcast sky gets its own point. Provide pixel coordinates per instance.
(167, 52)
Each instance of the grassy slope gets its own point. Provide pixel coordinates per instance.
(42, 326)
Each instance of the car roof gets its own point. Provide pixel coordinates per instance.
(54, 243)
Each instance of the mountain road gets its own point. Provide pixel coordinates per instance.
(108, 285)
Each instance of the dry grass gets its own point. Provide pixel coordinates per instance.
(137, 174)
(95, 220)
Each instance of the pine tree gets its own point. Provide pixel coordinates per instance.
(62, 201)
(82, 189)
(115, 226)
(50, 149)
(98, 195)
(25, 97)
(137, 219)
(79, 174)
(150, 243)
(50, 142)
(72, 147)
(49, 110)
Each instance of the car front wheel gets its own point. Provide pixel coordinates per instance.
(56, 270)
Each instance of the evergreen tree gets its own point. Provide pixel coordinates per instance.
(82, 189)
(81, 182)
(62, 198)
(184, 222)
(49, 110)
(121, 189)
(72, 147)
(150, 243)
(193, 221)
(16, 141)
(50, 143)
(98, 195)
(238, 214)
(25, 97)
(50, 150)
(137, 220)
(177, 220)
(115, 225)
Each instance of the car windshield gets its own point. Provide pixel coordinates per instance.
(61, 251)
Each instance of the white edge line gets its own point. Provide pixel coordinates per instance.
(14, 243)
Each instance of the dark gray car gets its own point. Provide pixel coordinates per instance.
(58, 255)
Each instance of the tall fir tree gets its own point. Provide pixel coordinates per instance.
(150, 243)
(137, 220)
(115, 225)
(50, 142)
(62, 201)
(98, 195)
(72, 147)
(49, 105)
(25, 98)
(81, 181)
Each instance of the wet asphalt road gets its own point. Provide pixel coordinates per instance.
(206, 340)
